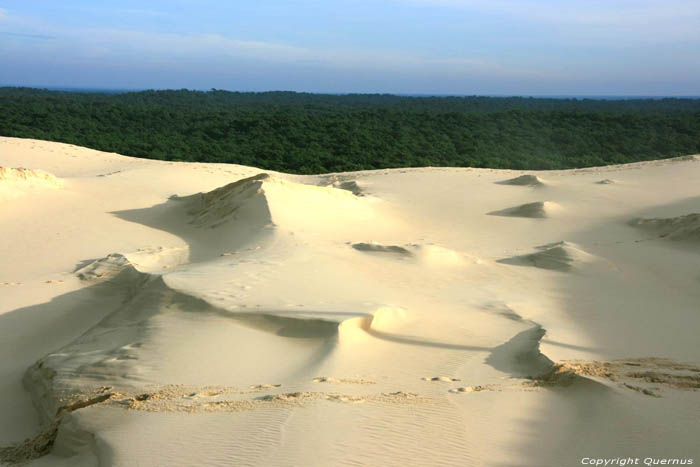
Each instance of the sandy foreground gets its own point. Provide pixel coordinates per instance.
(161, 314)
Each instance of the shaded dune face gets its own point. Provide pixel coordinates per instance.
(559, 256)
(428, 255)
(284, 204)
(228, 203)
(267, 200)
(536, 210)
(521, 355)
(680, 228)
(378, 248)
(118, 350)
(343, 182)
(105, 268)
(524, 180)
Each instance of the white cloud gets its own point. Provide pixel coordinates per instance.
(169, 49)
(3, 14)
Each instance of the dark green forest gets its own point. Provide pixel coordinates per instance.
(315, 133)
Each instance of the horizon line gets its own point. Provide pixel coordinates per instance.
(117, 90)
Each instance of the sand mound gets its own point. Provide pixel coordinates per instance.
(427, 255)
(682, 228)
(104, 268)
(524, 180)
(648, 376)
(349, 185)
(607, 181)
(560, 256)
(342, 183)
(266, 200)
(378, 248)
(15, 182)
(244, 198)
(536, 210)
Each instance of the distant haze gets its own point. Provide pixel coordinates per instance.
(465, 47)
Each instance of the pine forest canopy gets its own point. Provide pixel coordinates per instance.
(316, 133)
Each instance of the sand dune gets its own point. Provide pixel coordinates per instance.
(372, 318)
(681, 228)
(265, 200)
(524, 180)
(378, 248)
(344, 183)
(537, 210)
(105, 268)
(559, 256)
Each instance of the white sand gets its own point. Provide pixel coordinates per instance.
(413, 317)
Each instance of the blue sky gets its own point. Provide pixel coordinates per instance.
(524, 47)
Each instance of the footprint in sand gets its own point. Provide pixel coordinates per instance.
(469, 389)
(289, 397)
(345, 399)
(397, 396)
(202, 394)
(446, 379)
(330, 379)
(324, 379)
(264, 386)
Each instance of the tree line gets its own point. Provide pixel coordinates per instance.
(315, 133)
